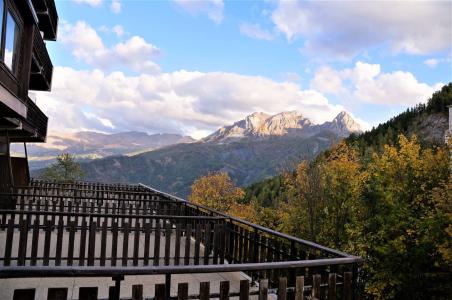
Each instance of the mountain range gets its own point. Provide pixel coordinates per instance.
(257, 147)
(88, 145)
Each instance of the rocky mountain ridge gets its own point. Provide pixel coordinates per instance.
(290, 123)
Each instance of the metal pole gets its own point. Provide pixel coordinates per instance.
(168, 286)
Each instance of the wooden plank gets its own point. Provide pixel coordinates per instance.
(263, 289)
(70, 249)
(160, 292)
(348, 286)
(24, 294)
(87, 293)
(299, 288)
(224, 290)
(81, 260)
(168, 230)
(57, 294)
(157, 243)
(316, 281)
(187, 244)
(177, 245)
(35, 242)
(136, 242)
(282, 288)
(137, 292)
(125, 243)
(147, 241)
(197, 242)
(114, 243)
(182, 291)
(204, 290)
(47, 240)
(92, 243)
(22, 242)
(9, 242)
(222, 243)
(244, 290)
(216, 240)
(59, 244)
(332, 286)
(103, 243)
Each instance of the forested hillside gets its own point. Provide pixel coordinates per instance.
(384, 195)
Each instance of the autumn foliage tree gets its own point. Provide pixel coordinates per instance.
(218, 191)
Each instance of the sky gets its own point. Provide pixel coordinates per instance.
(190, 67)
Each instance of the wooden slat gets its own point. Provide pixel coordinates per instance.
(137, 292)
(282, 288)
(23, 242)
(160, 292)
(57, 294)
(316, 281)
(244, 290)
(92, 243)
(81, 260)
(216, 240)
(187, 244)
(263, 289)
(9, 242)
(59, 244)
(204, 290)
(332, 286)
(182, 291)
(299, 288)
(47, 240)
(136, 243)
(114, 243)
(177, 245)
(347, 286)
(157, 243)
(125, 243)
(167, 243)
(147, 241)
(224, 290)
(70, 249)
(35, 242)
(103, 243)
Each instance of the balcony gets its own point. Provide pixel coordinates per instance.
(82, 229)
(41, 66)
(47, 17)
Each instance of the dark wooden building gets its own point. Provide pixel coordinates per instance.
(24, 65)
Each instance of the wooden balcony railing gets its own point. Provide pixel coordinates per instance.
(41, 68)
(48, 18)
(90, 229)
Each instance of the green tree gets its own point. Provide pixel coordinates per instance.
(64, 169)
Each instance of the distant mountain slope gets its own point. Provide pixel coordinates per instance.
(89, 145)
(291, 123)
(173, 169)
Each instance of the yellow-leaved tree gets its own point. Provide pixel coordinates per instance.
(218, 191)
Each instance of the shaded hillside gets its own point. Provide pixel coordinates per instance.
(173, 169)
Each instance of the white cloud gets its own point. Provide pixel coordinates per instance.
(256, 32)
(212, 8)
(343, 29)
(86, 45)
(118, 30)
(432, 62)
(93, 3)
(115, 6)
(180, 102)
(367, 83)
